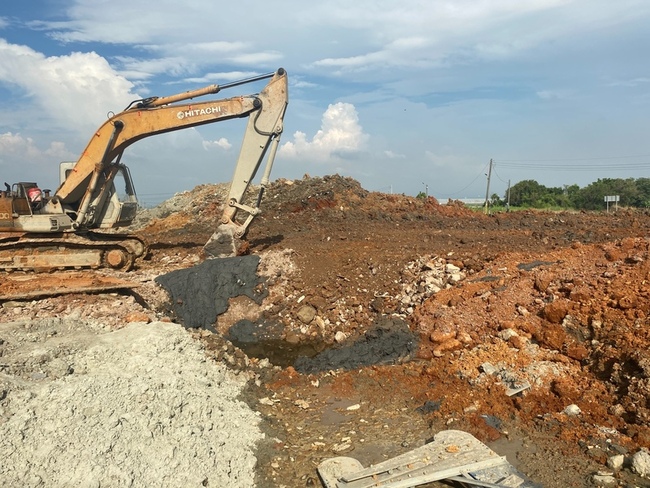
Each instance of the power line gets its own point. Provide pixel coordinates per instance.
(574, 159)
(566, 166)
(497, 175)
(470, 184)
(600, 163)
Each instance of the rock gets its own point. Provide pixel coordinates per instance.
(137, 317)
(542, 282)
(518, 341)
(301, 403)
(616, 462)
(343, 446)
(506, 334)
(340, 336)
(318, 302)
(604, 479)
(451, 269)
(628, 302)
(438, 337)
(555, 311)
(488, 368)
(581, 294)
(455, 278)
(449, 345)
(306, 314)
(577, 351)
(292, 337)
(640, 463)
(572, 410)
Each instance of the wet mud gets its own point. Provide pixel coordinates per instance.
(201, 293)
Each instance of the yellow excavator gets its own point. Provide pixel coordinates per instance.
(41, 230)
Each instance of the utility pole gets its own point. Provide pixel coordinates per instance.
(508, 202)
(487, 191)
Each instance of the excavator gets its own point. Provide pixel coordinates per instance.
(74, 226)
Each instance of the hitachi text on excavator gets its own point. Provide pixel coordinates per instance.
(41, 230)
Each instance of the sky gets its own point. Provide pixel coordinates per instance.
(404, 96)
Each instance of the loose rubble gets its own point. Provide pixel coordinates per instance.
(528, 330)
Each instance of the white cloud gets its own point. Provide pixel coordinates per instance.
(554, 94)
(220, 78)
(146, 68)
(22, 159)
(340, 135)
(368, 33)
(24, 147)
(634, 82)
(209, 48)
(75, 91)
(392, 155)
(221, 143)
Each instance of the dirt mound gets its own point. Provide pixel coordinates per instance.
(584, 307)
(527, 329)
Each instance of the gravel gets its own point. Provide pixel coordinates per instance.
(87, 406)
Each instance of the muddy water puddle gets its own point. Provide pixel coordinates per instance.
(266, 340)
(337, 411)
(389, 341)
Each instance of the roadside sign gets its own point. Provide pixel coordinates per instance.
(612, 198)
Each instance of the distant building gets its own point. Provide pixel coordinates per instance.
(466, 201)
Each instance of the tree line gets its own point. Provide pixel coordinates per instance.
(530, 194)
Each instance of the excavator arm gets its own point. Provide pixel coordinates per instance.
(83, 193)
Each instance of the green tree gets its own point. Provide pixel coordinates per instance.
(526, 193)
(643, 188)
(592, 197)
(495, 201)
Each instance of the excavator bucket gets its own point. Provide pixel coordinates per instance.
(223, 243)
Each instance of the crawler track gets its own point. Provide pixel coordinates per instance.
(48, 252)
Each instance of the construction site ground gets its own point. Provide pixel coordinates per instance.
(383, 319)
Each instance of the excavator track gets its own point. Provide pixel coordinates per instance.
(48, 252)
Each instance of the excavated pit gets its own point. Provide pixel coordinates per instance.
(266, 340)
(388, 341)
(201, 293)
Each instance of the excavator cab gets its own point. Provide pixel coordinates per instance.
(115, 202)
(26, 197)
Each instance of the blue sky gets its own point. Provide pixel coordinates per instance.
(401, 95)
